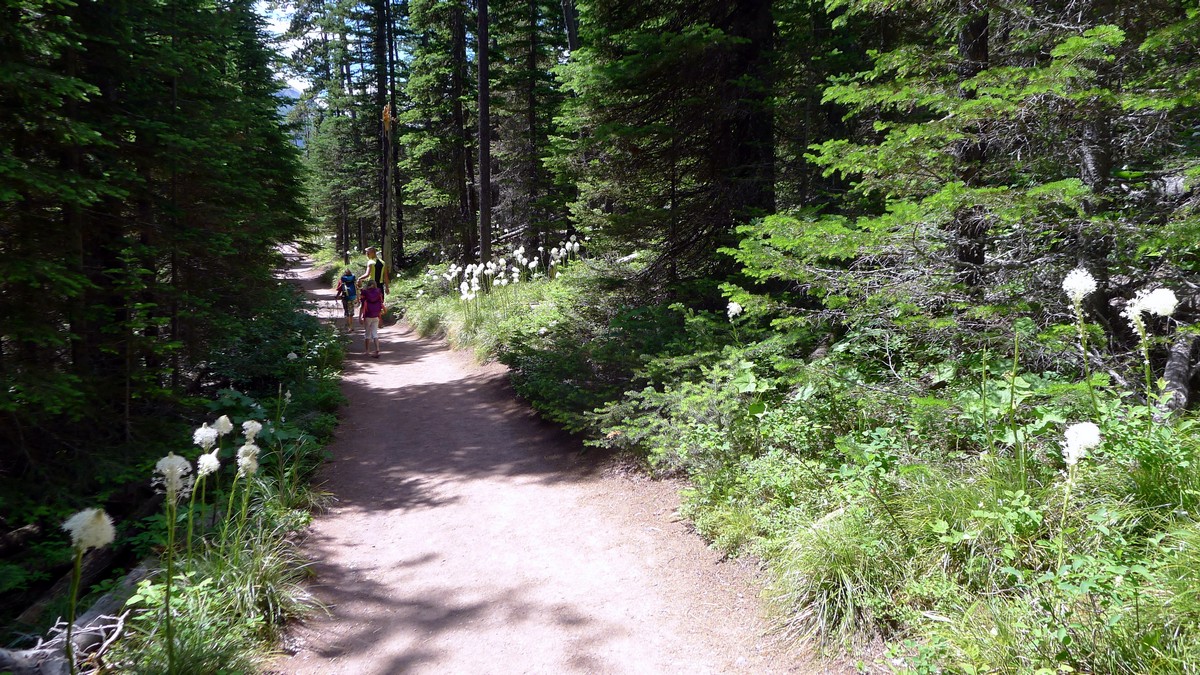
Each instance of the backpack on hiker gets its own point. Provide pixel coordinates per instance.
(348, 287)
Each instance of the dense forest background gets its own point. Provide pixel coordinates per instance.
(145, 180)
(810, 254)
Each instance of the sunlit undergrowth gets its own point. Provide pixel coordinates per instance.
(226, 573)
(904, 488)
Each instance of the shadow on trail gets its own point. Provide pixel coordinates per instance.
(434, 434)
(416, 436)
(381, 614)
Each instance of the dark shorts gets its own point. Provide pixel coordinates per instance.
(348, 306)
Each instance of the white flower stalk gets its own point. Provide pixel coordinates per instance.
(1078, 285)
(532, 264)
(207, 464)
(205, 436)
(223, 425)
(247, 460)
(90, 528)
(1078, 439)
(1160, 302)
(292, 356)
(251, 429)
(173, 475)
(733, 310)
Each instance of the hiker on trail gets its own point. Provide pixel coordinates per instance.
(347, 290)
(370, 311)
(376, 270)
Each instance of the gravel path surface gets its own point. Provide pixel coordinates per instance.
(468, 536)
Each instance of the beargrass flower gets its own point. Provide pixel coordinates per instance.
(251, 429)
(207, 464)
(292, 356)
(733, 310)
(1078, 439)
(247, 460)
(1160, 302)
(173, 473)
(223, 425)
(1079, 284)
(205, 436)
(90, 528)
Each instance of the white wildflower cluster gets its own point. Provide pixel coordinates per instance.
(475, 279)
(173, 476)
(207, 464)
(206, 436)
(562, 254)
(251, 429)
(1079, 284)
(247, 459)
(733, 310)
(1158, 302)
(90, 528)
(1078, 439)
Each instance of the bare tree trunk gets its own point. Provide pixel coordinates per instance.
(571, 20)
(394, 158)
(463, 169)
(971, 224)
(532, 160)
(485, 136)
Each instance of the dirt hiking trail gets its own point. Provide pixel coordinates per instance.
(468, 536)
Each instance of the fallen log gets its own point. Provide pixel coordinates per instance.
(11, 541)
(94, 632)
(1178, 374)
(96, 563)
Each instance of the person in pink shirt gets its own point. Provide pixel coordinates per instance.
(370, 310)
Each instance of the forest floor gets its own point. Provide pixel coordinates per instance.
(468, 536)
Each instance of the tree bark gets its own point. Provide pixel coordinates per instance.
(15, 539)
(485, 136)
(91, 630)
(571, 21)
(1178, 373)
(462, 156)
(970, 224)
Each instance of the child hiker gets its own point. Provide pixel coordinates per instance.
(347, 290)
(370, 311)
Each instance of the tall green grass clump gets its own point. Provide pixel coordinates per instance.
(232, 575)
